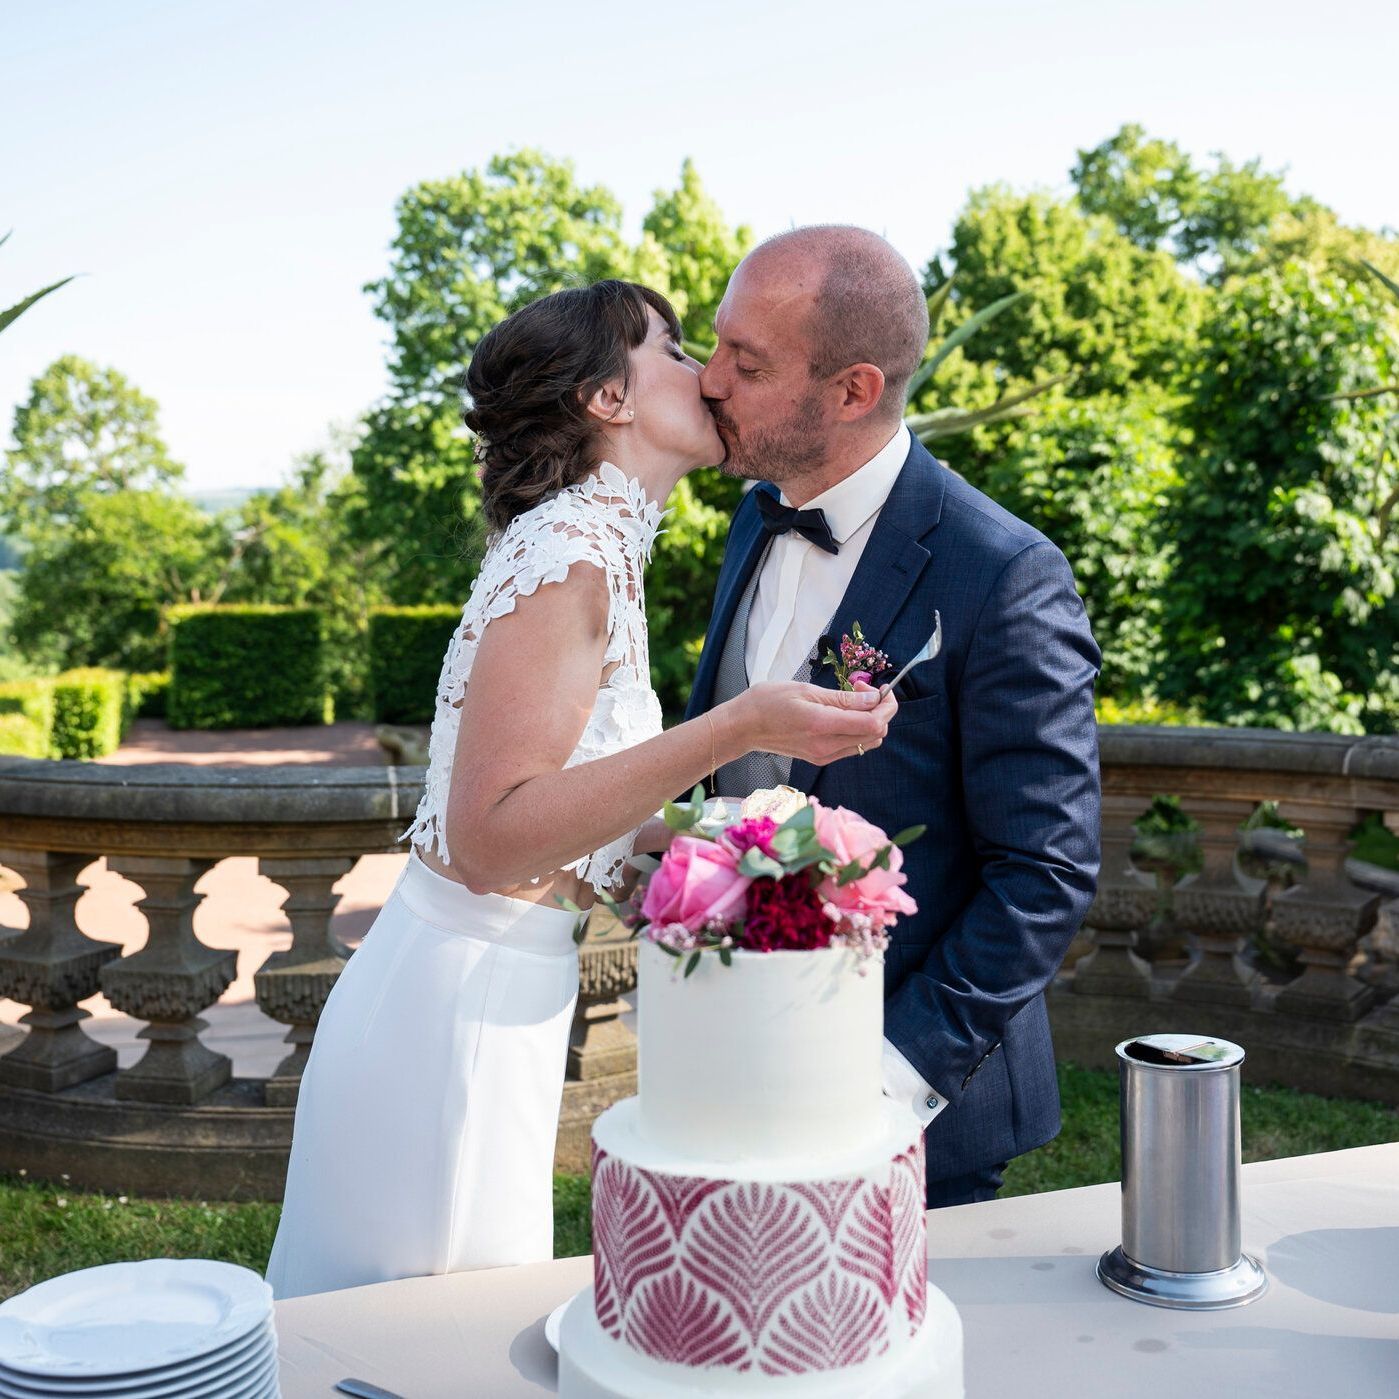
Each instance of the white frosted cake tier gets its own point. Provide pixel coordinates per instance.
(774, 1058)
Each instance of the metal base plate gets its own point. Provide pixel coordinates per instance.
(1230, 1287)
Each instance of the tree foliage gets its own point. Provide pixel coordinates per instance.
(1097, 305)
(1281, 609)
(83, 431)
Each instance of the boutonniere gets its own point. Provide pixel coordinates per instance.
(858, 660)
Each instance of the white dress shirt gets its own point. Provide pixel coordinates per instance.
(800, 586)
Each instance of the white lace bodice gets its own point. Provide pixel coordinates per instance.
(606, 520)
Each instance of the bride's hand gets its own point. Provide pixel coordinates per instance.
(806, 721)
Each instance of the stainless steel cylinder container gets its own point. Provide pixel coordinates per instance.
(1181, 1228)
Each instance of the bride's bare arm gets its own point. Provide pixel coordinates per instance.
(515, 812)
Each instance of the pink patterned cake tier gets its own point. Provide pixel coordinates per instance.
(780, 1278)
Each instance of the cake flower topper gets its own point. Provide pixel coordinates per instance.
(823, 877)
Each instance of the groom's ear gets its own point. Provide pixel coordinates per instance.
(862, 390)
(607, 403)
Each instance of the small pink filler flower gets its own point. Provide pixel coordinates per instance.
(879, 894)
(697, 883)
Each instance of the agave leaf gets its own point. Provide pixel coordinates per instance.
(5, 239)
(1375, 272)
(948, 422)
(960, 336)
(1359, 393)
(17, 310)
(937, 304)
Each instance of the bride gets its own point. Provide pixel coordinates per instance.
(424, 1133)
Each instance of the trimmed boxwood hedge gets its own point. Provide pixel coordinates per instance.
(246, 667)
(89, 712)
(146, 694)
(80, 714)
(26, 718)
(406, 646)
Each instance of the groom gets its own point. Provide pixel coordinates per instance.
(994, 745)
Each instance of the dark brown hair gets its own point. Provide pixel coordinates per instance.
(530, 381)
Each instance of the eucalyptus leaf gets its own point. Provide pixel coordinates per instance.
(692, 963)
(803, 819)
(756, 865)
(908, 835)
(726, 956)
(680, 816)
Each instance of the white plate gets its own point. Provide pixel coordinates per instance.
(172, 1380)
(122, 1318)
(249, 1378)
(554, 1321)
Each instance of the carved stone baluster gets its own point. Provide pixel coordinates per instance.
(599, 1044)
(602, 1051)
(167, 983)
(1123, 904)
(51, 966)
(1324, 917)
(1217, 909)
(292, 986)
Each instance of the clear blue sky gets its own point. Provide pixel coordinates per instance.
(225, 170)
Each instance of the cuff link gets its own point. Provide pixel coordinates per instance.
(933, 1102)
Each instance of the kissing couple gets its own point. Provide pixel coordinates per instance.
(425, 1127)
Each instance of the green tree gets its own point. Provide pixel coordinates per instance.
(1098, 306)
(699, 250)
(1214, 219)
(93, 592)
(1282, 607)
(1094, 475)
(83, 430)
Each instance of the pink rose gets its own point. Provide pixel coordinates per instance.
(698, 882)
(856, 676)
(880, 892)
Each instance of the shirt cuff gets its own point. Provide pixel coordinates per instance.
(904, 1084)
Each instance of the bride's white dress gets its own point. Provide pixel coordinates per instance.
(425, 1125)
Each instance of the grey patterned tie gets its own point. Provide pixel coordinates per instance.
(752, 771)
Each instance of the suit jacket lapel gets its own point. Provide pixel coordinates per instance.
(741, 555)
(889, 569)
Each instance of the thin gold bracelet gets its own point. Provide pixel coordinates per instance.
(713, 766)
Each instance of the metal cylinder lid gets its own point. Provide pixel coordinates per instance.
(1180, 1052)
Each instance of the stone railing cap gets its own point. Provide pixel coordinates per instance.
(1264, 750)
(217, 794)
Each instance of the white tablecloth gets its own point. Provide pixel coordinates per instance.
(1038, 1323)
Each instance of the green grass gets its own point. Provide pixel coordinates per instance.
(47, 1228)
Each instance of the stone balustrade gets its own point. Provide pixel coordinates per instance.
(1288, 961)
(1288, 946)
(178, 1119)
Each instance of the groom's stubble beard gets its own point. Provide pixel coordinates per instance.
(781, 453)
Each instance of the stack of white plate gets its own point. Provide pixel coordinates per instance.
(167, 1328)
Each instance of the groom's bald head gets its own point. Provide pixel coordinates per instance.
(865, 303)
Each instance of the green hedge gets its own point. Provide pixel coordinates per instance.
(406, 646)
(26, 718)
(89, 713)
(246, 667)
(21, 737)
(146, 694)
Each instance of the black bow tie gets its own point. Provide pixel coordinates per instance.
(810, 524)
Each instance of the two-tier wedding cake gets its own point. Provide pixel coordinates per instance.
(758, 1221)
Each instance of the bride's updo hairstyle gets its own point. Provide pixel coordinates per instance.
(530, 382)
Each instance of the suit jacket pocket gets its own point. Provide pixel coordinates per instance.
(917, 711)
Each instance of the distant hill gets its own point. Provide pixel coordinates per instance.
(226, 499)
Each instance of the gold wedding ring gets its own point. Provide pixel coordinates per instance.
(860, 748)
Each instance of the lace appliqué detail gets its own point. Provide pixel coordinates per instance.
(606, 520)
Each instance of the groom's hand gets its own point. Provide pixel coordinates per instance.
(817, 725)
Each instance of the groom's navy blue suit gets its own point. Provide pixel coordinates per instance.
(994, 747)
